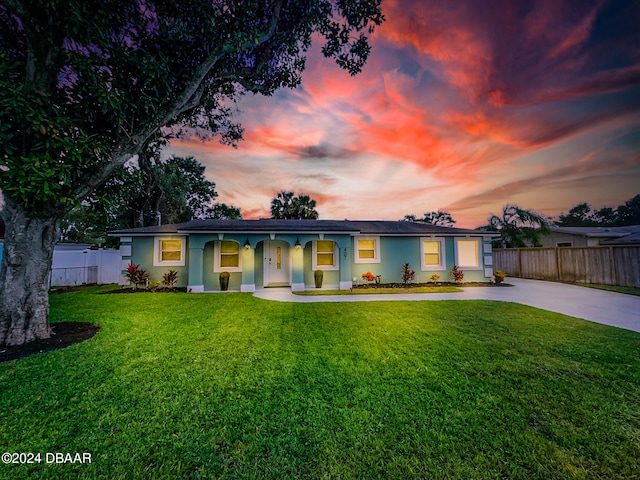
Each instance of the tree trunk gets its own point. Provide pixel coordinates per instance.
(24, 275)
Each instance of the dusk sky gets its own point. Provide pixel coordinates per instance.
(463, 106)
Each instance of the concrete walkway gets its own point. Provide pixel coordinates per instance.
(600, 306)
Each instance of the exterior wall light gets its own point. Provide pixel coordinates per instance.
(297, 245)
(247, 245)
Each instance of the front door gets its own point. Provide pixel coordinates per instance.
(276, 268)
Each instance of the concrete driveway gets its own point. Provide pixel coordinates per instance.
(609, 308)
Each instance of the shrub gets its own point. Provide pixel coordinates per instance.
(153, 285)
(499, 276)
(136, 275)
(369, 277)
(407, 274)
(434, 278)
(457, 274)
(169, 279)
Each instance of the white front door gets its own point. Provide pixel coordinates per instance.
(276, 263)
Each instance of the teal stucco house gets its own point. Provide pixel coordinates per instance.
(285, 253)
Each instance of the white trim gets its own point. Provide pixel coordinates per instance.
(488, 272)
(346, 285)
(125, 250)
(376, 249)
(248, 287)
(488, 260)
(157, 262)
(217, 252)
(126, 239)
(487, 248)
(478, 253)
(443, 255)
(314, 257)
(195, 288)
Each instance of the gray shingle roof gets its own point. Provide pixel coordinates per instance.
(598, 232)
(363, 227)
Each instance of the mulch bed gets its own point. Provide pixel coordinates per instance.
(439, 284)
(64, 334)
(144, 290)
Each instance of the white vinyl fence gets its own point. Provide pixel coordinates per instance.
(78, 264)
(75, 266)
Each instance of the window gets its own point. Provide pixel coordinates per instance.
(325, 255)
(468, 253)
(367, 250)
(432, 252)
(229, 255)
(564, 244)
(169, 252)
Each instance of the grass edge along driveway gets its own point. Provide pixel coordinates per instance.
(230, 386)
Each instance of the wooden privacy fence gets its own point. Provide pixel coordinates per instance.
(609, 265)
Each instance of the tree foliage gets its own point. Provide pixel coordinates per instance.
(87, 85)
(286, 205)
(169, 191)
(518, 227)
(222, 211)
(582, 215)
(439, 217)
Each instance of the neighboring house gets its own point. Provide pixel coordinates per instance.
(591, 236)
(266, 253)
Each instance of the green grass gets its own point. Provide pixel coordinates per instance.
(369, 291)
(230, 386)
(612, 288)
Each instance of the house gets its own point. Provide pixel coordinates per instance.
(269, 253)
(591, 236)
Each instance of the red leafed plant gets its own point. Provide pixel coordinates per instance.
(136, 275)
(408, 275)
(369, 277)
(457, 274)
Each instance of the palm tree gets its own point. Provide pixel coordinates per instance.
(518, 227)
(287, 206)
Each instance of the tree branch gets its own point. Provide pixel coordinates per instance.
(186, 100)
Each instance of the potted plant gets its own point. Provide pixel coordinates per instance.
(224, 281)
(318, 275)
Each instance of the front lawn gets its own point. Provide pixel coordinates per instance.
(230, 386)
(612, 288)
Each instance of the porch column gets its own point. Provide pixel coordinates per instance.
(196, 263)
(297, 269)
(248, 282)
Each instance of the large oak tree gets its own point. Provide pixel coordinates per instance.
(85, 85)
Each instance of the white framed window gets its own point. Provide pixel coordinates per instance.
(169, 252)
(433, 254)
(227, 256)
(468, 254)
(325, 255)
(367, 249)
